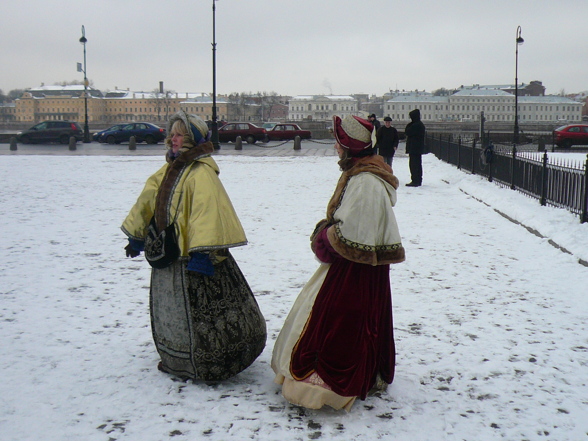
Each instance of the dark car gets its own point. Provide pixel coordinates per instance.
(143, 132)
(572, 134)
(96, 136)
(247, 131)
(51, 131)
(287, 131)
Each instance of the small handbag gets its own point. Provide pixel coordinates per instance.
(161, 250)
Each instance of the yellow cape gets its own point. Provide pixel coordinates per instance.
(204, 215)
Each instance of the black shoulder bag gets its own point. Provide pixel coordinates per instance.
(161, 250)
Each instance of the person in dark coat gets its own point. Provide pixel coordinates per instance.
(374, 120)
(387, 137)
(415, 147)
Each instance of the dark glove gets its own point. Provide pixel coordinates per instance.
(131, 252)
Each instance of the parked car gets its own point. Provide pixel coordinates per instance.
(51, 131)
(572, 134)
(247, 131)
(96, 136)
(287, 131)
(143, 132)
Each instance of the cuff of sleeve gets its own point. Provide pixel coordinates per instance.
(323, 249)
(200, 263)
(137, 245)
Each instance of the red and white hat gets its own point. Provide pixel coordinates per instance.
(353, 133)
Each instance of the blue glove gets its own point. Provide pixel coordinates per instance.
(200, 262)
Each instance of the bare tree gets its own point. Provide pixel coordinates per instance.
(442, 92)
(162, 101)
(15, 93)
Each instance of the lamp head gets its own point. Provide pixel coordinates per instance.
(519, 38)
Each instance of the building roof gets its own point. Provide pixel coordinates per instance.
(418, 98)
(128, 94)
(547, 99)
(58, 88)
(323, 97)
(482, 92)
(203, 98)
(70, 90)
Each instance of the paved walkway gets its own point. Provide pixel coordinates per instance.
(323, 147)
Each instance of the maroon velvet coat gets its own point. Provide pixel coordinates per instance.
(349, 339)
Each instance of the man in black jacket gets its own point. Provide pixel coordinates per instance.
(387, 137)
(374, 120)
(415, 147)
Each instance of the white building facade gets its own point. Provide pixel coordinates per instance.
(321, 107)
(497, 105)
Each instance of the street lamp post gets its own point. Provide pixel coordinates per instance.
(214, 127)
(83, 40)
(519, 41)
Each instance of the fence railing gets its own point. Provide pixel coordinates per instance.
(560, 184)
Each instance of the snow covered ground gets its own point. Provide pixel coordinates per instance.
(490, 319)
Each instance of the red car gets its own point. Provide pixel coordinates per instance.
(287, 131)
(573, 134)
(247, 131)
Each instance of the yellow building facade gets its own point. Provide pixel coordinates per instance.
(38, 105)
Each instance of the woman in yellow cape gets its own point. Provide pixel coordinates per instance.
(205, 320)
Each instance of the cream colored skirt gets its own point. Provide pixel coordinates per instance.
(312, 392)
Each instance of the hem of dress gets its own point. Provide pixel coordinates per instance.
(312, 396)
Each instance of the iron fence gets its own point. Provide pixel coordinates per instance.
(560, 183)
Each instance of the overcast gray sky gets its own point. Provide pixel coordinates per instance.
(295, 47)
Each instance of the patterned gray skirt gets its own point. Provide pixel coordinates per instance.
(207, 328)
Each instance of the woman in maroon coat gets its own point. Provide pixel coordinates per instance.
(337, 342)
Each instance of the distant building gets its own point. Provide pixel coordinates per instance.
(582, 97)
(534, 88)
(73, 90)
(67, 103)
(463, 104)
(277, 112)
(321, 107)
(368, 105)
(7, 112)
(498, 105)
(434, 108)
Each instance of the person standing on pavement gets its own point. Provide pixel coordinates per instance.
(387, 137)
(415, 147)
(374, 120)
